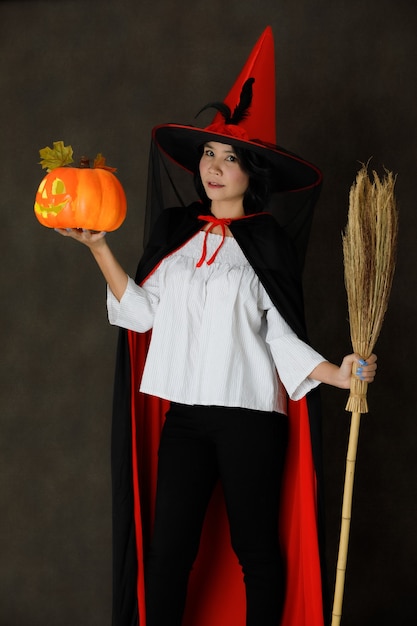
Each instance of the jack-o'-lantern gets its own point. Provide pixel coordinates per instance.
(78, 197)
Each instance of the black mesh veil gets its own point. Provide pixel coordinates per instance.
(171, 185)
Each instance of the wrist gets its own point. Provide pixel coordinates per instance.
(99, 247)
(330, 374)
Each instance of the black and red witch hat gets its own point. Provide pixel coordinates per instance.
(255, 130)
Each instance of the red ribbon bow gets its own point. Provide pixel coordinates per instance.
(213, 221)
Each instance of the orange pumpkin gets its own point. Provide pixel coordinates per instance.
(72, 197)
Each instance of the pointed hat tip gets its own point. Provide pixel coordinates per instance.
(260, 65)
(267, 32)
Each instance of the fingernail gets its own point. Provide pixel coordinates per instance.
(363, 362)
(359, 371)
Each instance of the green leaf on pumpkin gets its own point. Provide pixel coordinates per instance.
(58, 156)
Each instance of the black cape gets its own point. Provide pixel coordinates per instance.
(138, 419)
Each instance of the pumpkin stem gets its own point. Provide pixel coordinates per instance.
(84, 162)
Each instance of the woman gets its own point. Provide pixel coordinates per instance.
(226, 357)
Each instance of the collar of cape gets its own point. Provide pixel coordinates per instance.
(264, 243)
(214, 221)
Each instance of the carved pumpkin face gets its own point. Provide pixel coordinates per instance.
(70, 197)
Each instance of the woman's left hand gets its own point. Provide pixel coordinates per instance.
(356, 365)
(341, 377)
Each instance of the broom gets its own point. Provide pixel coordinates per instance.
(369, 250)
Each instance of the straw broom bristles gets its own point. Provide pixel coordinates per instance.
(369, 249)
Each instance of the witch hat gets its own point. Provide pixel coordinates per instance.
(252, 125)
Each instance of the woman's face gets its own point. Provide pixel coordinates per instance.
(221, 174)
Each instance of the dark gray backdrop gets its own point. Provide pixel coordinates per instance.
(99, 75)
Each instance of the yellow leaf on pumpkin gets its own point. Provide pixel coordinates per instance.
(58, 156)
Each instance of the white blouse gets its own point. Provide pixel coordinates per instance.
(217, 339)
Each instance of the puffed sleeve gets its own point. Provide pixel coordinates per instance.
(293, 358)
(137, 307)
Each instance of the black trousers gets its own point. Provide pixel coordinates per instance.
(244, 449)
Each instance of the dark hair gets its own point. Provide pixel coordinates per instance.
(260, 172)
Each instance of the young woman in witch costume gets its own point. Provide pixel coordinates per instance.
(219, 285)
